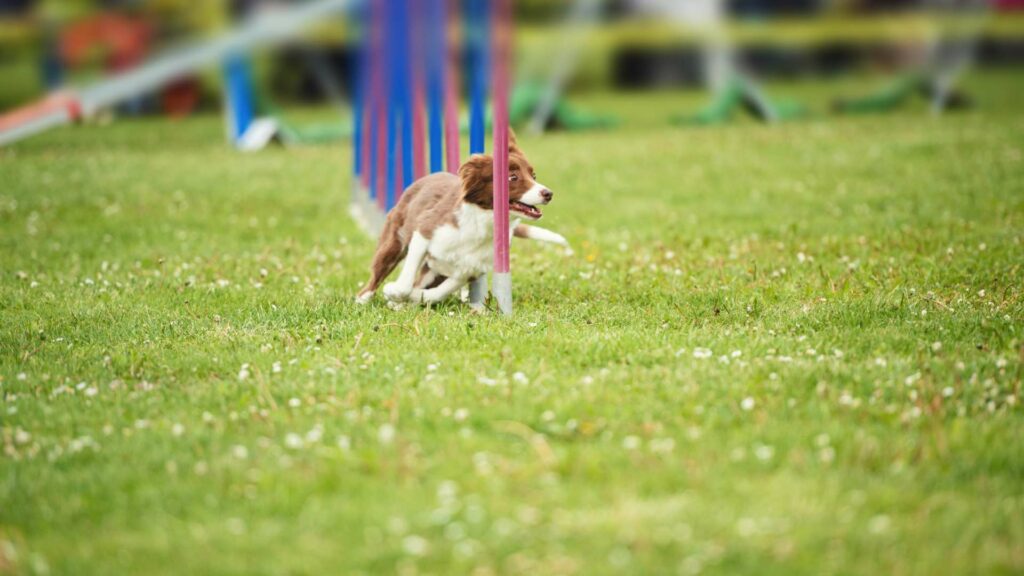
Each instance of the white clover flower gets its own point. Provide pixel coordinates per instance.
(293, 441)
(243, 372)
(879, 524)
(240, 452)
(663, 445)
(386, 434)
(415, 545)
(702, 353)
(748, 404)
(764, 453)
(22, 436)
(631, 442)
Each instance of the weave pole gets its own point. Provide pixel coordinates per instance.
(451, 84)
(381, 100)
(477, 32)
(405, 96)
(417, 52)
(436, 54)
(361, 106)
(395, 58)
(501, 54)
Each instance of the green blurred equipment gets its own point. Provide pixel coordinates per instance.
(542, 105)
(958, 26)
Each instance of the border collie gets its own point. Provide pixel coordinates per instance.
(443, 227)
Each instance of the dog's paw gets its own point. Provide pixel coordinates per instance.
(395, 293)
(396, 306)
(477, 308)
(364, 298)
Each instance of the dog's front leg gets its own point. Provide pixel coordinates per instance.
(541, 235)
(439, 292)
(399, 289)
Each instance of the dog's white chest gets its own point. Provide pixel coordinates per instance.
(465, 250)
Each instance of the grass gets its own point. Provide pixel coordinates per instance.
(788, 350)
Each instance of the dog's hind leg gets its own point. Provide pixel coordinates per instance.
(390, 251)
(399, 290)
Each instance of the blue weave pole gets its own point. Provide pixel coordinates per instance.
(359, 96)
(436, 58)
(478, 28)
(377, 97)
(393, 59)
(403, 47)
(241, 106)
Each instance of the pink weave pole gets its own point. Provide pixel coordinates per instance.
(379, 124)
(501, 54)
(372, 98)
(419, 128)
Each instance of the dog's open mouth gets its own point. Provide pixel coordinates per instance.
(531, 212)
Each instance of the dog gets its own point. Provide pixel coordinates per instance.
(443, 227)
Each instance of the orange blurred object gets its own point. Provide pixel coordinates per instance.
(125, 39)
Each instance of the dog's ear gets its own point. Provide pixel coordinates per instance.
(477, 181)
(513, 145)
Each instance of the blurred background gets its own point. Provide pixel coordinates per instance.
(565, 48)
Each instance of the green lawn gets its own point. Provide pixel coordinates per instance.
(789, 350)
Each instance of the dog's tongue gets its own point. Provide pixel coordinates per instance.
(525, 209)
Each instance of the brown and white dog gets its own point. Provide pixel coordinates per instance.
(443, 227)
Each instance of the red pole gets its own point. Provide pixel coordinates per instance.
(501, 54)
(419, 133)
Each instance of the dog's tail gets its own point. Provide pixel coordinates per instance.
(390, 251)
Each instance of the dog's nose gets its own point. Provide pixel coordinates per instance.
(547, 195)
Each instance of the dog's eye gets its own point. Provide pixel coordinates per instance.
(513, 177)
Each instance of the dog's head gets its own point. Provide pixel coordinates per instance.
(525, 194)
